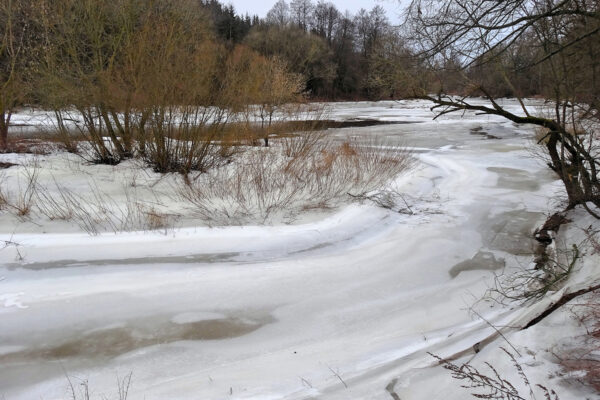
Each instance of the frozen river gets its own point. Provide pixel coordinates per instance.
(336, 308)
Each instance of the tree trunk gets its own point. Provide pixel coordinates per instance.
(266, 138)
(558, 166)
(580, 184)
(111, 133)
(3, 133)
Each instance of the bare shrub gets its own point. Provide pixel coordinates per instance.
(21, 202)
(264, 183)
(278, 90)
(492, 385)
(183, 143)
(98, 212)
(97, 145)
(250, 187)
(85, 43)
(64, 134)
(18, 51)
(202, 134)
(183, 102)
(309, 136)
(80, 389)
(133, 77)
(534, 283)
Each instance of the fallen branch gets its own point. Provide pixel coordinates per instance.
(390, 389)
(561, 302)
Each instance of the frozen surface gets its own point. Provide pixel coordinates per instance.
(336, 307)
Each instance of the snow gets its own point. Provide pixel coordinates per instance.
(12, 300)
(355, 297)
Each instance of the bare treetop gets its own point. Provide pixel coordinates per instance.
(470, 28)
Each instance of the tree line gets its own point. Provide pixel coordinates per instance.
(341, 55)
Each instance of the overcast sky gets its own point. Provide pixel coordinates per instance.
(261, 7)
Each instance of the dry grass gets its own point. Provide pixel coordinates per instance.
(492, 385)
(266, 183)
(21, 202)
(527, 284)
(296, 174)
(79, 389)
(91, 208)
(96, 211)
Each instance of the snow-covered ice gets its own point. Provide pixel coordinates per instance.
(334, 307)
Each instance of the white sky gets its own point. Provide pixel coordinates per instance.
(261, 7)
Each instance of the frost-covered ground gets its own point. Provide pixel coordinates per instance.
(341, 305)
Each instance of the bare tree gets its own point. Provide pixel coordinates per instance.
(362, 22)
(301, 12)
(279, 14)
(562, 35)
(278, 87)
(388, 70)
(325, 18)
(332, 18)
(370, 26)
(15, 32)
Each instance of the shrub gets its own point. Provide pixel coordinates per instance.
(263, 184)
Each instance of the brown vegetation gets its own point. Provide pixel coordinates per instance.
(149, 80)
(492, 385)
(289, 178)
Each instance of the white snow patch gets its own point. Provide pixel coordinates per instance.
(12, 300)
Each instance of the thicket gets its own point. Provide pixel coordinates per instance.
(134, 78)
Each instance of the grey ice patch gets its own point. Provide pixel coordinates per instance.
(517, 179)
(479, 131)
(206, 258)
(115, 341)
(482, 260)
(511, 231)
